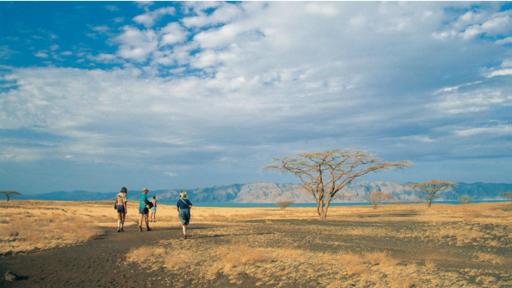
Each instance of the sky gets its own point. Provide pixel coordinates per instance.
(99, 95)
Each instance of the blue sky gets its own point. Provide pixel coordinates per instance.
(167, 95)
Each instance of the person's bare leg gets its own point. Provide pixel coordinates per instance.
(147, 222)
(184, 228)
(123, 217)
(140, 222)
(119, 221)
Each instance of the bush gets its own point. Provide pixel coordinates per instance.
(284, 204)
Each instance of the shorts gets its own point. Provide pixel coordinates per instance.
(143, 211)
(153, 209)
(120, 209)
(184, 216)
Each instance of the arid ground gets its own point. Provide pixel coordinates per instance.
(65, 244)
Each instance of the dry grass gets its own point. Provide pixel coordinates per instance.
(489, 258)
(394, 246)
(32, 225)
(269, 248)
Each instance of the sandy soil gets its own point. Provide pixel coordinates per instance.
(392, 246)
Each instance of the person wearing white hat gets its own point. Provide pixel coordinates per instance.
(183, 205)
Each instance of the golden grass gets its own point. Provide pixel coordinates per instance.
(26, 226)
(257, 247)
(268, 267)
(489, 258)
(270, 247)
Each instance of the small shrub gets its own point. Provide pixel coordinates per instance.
(284, 204)
(464, 199)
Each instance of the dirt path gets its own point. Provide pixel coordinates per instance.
(100, 262)
(96, 263)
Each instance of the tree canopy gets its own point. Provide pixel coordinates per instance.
(432, 187)
(9, 194)
(325, 174)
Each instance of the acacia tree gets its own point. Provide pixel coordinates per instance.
(9, 194)
(432, 187)
(325, 174)
(507, 195)
(377, 197)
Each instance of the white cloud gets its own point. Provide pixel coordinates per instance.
(473, 101)
(172, 33)
(135, 44)
(104, 58)
(500, 72)
(224, 13)
(17, 154)
(100, 28)
(144, 3)
(504, 41)
(324, 9)
(148, 19)
(171, 174)
(418, 138)
(499, 130)
(455, 88)
(266, 78)
(41, 54)
(473, 24)
(219, 38)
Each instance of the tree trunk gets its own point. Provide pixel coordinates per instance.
(323, 210)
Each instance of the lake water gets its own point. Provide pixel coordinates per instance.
(273, 205)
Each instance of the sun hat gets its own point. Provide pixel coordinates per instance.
(145, 189)
(124, 190)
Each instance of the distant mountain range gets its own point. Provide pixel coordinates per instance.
(272, 192)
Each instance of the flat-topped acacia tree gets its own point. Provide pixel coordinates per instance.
(507, 195)
(9, 194)
(432, 187)
(377, 197)
(325, 174)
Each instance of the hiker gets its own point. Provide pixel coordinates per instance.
(121, 205)
(152, 216)
(124, 190)
(183, 205)
(144, 206)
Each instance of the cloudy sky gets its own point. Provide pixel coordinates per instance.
(168, 95)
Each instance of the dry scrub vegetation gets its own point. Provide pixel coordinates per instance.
(29, 225)
(395, 246)
(392, 246)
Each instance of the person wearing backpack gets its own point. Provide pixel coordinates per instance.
(152, 215)
(121, 205)
(144, 206)
(184, 205)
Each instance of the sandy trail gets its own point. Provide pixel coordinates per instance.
(98, 262)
